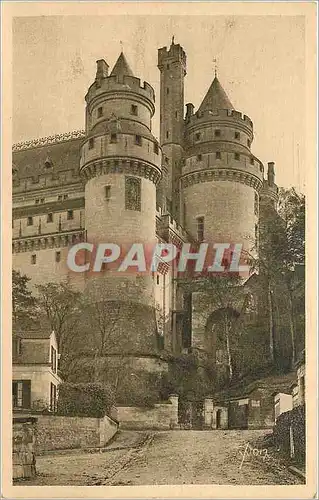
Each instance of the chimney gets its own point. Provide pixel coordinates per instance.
(189, 110)
(102, 69)
(271, 173)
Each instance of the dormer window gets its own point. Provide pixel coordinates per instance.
(48, 163)
(134, 110)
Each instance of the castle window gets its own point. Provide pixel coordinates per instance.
(200, 228)
(157, 279)
(37, 201)
(33, 259)
(217, 133)
(167, 91)
(42, 200)
(70, 215)
(133, 193)
(113, 138)
(138, 140)
(60, 197)
(167, 134)
(99, 112)
(50, 217)
(199, 157)
(197, 136)
(237, 135)
(166, 160)
(30, 221)
(256, 204)
(57, 256)
(248, 143)
(65, 196)
(107, 191)
(134, 110)
(176, 114)
(256, 234)
(167, 66)
(252, 160)
(218, 155)
(91, 143)
(155, 148)
(237, 156)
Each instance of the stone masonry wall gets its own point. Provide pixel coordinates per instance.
(59, 432)
(160, 417)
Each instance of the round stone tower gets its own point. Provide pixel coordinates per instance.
(221, 178)
(121, 165)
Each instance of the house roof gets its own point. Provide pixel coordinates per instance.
(34, 333)
(216, 98)
(121, 67)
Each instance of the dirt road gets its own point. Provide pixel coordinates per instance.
(173, 457)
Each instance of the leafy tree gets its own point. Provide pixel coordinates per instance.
(24, 311)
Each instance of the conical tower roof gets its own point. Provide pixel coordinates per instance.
(216, 98)
(121, 67)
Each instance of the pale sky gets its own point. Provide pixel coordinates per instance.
(260, 62)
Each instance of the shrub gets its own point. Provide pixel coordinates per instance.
(85, 400)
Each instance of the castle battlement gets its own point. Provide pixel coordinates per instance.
(175, 52)
(218, 114)
(121, 84)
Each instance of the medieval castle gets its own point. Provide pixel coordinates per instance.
(115, 182)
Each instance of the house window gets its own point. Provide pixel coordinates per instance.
(37, 201)
(256, 204)
(60, 197)
(30, 221)
(197, 136)
(134, 110)
(217, 133)
(53, 359)
(21, 393)
(50, 217)
(107, 192)
(70, 215)
(199, 157)
(33, 259)
(91, 143)
(200, 228)
(237, 156)
(218, 155)
(133, 193)
(57, 256)
(16, 346)
(155, 148)
(100, 112)
(53, 398)
(113, 138)
(237, 135)
(138, 140)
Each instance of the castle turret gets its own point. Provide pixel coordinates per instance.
(172, 65)
(220, 177)
(121, 165)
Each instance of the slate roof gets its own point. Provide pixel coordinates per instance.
(216, 98)
(121, 67)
